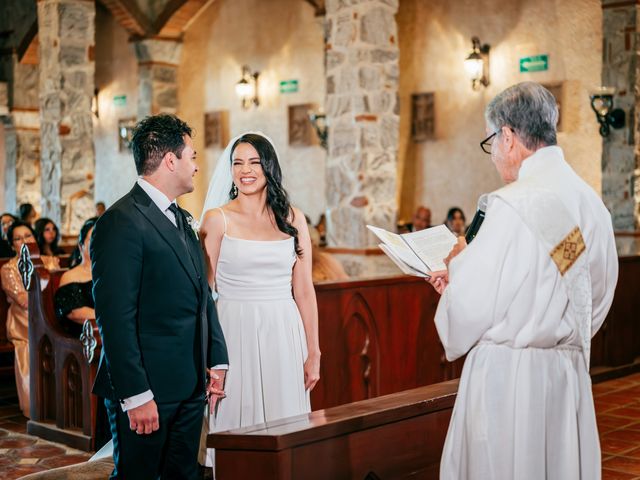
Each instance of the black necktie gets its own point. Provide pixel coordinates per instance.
(179, 219)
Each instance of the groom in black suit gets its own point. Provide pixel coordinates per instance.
(159, 326)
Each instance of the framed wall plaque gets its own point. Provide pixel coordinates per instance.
(300, 129)
(125, 133)
(216, 129)
(423, 117)
(557, 89)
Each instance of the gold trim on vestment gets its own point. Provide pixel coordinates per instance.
(568, 250)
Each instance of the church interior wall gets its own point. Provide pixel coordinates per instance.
(281, 39)
(435, 38)
(116, 77)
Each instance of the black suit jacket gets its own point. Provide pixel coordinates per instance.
(157, 319)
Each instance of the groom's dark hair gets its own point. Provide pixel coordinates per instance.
(156, 136)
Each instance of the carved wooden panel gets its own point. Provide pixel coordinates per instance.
(362, 349)
(72, 395)
(47, 406)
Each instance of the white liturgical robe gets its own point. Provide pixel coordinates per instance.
(525, 408)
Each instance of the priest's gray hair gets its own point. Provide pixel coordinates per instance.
(530, 110)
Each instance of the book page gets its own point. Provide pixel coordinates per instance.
(400, 249)
(432, 245)
(406, 269)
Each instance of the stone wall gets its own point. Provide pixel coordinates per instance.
(22, 137)
(363, 114)
(66, 35)
(158, 61)
(621, 149)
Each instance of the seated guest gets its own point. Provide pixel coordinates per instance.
(324, 267)
(17, 317)
(100, 208)
(48, 237)
(456, 221)
(6, 220)
(73, 300)
(27, 214)
(321, 228)
(421, 219)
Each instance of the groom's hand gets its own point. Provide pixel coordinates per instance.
(215, 388)
(144, 419)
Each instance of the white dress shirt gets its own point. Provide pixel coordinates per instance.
(163, 203)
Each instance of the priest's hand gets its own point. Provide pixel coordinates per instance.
(215, 388)
(439, 280)
(144, 419)
(457, 248)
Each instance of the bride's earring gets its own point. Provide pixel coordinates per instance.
(234, 190)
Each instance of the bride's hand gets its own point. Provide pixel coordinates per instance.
(311, 371)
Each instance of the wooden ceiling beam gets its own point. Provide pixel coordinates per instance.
(130, 17)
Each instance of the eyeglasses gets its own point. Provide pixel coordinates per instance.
(24, 238)
(485, 144)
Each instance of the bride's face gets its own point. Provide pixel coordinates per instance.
(248, 175)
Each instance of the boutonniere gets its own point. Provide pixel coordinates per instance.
(195, 226)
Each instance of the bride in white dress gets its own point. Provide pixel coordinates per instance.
(259, 254)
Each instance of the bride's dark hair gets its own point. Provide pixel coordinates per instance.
(277, 198)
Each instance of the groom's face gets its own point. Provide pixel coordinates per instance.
(186, 167)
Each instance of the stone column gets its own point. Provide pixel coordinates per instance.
(621, 149)
(158, 61)
(362, 111)
(66, 33)
(22, 136)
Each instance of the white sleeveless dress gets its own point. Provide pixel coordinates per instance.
(264, 334)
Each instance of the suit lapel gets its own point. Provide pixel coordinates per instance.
(167, 231)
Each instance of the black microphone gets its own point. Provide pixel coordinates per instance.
(478, 218)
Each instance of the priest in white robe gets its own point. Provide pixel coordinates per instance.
(523, 301)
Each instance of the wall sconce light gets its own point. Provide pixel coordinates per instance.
(95, 104)
(477, 64)
(319, 121)
(247, 88)
(602, 105)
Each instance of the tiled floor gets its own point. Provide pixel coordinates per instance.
(618, 414)
(617, 409)
(21, 454)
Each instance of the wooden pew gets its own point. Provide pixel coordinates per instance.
(378, 337)
(63, 369)
(615, 350)
(393, 436)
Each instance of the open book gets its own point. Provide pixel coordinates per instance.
(417, 253)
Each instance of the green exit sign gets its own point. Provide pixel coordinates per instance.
(288, 86)
(536, 63)
(120, 100)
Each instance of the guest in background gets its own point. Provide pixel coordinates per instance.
(6, 220)
(48, 237)
(324, 267)
(27, 214)
(421, 219)
(456, 221)
(17, 316)
(100, 208)
(321, 228)
(73, 300)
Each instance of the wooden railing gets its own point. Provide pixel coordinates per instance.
(394, 436)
